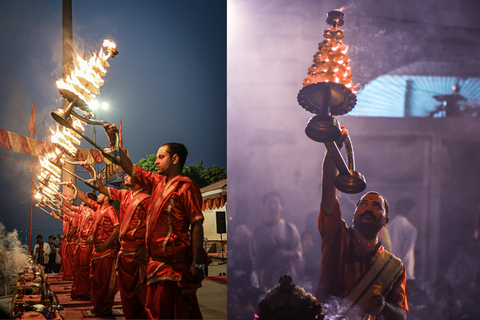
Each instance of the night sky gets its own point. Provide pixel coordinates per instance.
(168, 82)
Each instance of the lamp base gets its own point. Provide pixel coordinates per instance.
(323, 129)
(351, 183)
(327, 97)
(62, 117)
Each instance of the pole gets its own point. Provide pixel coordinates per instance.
(67, 68)
(31, 201)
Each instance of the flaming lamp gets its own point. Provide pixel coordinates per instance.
(328, 91)
(65, 141)
(80, 88)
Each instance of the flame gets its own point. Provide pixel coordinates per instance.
(330, 62)
(78, 124)
(85, 81)
(344, 7)
(108, 43)
(65, 139)
(82, 84)
(50, 174)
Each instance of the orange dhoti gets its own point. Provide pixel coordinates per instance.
(132, 287)
(166, 301)
(67, 261)
(171, 293)
(81, 282)
(103, 281)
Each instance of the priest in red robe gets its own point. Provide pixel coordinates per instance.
(83, 254)
(174, 235)
(103, 277)
(131, 262)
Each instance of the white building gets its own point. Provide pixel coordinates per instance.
(215, 212)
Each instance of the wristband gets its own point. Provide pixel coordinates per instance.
(199, 266)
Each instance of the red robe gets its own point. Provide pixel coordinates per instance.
(346, 259)
(131, 274)
(61, 251)
(173, 208)
(68, 250)
(83, 254)
(102, 270)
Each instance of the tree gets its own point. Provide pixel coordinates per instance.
(197, 172)
(149, 163)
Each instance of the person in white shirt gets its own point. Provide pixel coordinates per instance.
(403, 235)
(41, 251)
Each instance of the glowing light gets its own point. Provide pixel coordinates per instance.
(82, 85)
(108, 43)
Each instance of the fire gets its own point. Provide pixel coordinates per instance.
(85, 81)
(330, 62)
(50, 174)
(108, 43)
(80, 89)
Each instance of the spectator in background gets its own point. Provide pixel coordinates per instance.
(243, 291)
(384, 238)
(41, 251)
(307, 270)
(52, 265)
(403, 235)
(276, 245)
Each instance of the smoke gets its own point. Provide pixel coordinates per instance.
(17, 257)
(13, 258)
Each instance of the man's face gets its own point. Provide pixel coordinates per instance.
(101, 198)
(128, 181)
(164, 161)
(370, 216)
(39, 240)
(272, 208)
(50, 240)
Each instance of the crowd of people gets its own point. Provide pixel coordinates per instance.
(150, 250)
(48, 254)
(358, 272)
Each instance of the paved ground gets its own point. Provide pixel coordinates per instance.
(212, 297)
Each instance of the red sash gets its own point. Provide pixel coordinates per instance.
(168, 189)
(139, 197)
(84, 222)
(103, 210)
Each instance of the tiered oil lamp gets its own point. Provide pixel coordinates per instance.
(79, 90)
(328, 91)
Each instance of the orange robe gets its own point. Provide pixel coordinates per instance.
(346, 258)
(68, 250)
(83, 254)
(131, 274)
(102, 270)
(173, 208)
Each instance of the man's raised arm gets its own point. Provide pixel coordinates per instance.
(330, 172)
(80, 194)
(124, 160)
(101, 187)
(329, 192)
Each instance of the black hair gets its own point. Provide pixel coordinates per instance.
(178, 149)
(92, 196)
(39, 236)
(387, 208)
